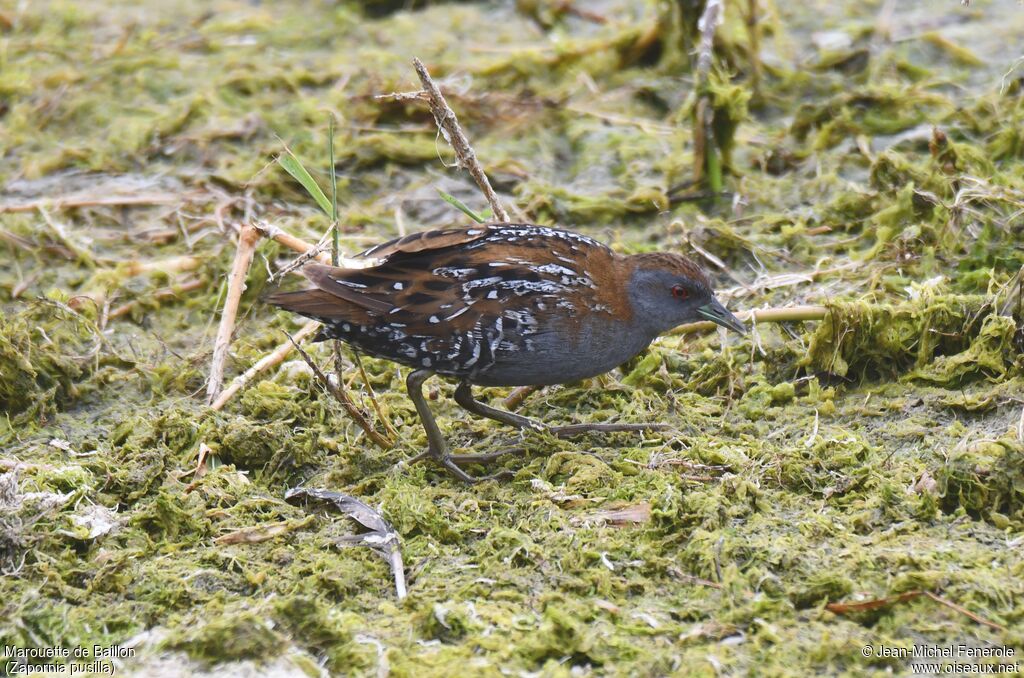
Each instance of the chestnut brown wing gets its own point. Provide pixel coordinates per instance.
(415, 243)
(459, 304)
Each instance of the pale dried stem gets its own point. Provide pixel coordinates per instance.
(514, 399)
(398, 568)
(247, 239)
(273, 359)
(767, 315)
(170, 265)
(404, 96)
(452, 131)
(95, 201)
(373, 398)
(300, 261)
(302, 247)
(65, 239)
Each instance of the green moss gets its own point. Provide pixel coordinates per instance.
(950, 339)
(37, 372)
(871, 453)
(241, 634)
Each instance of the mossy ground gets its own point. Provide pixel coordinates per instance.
(874, 453)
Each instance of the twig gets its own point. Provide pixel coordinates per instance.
(769, 315)
(342, 397)
(568, 7)
(170, 265)
(964, 611)
(419, 95)
(373, 397)
(299, 245)
(300, 261)
(58, 229)
(20, 242)
(514, 399)
(673, 570)
(261, 533)
(247, 239)
(272, 359)
(867, 605)
(449, 126)
(649, 126)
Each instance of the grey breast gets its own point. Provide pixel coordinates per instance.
(556, 355)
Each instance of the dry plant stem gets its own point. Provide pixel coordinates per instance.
(17, 241)
(398, 568)
(964, 611)
(290, 241)
(301, 260)
(346, 402)
(94, 201)
(373, 397)
(170, 265)
(846, 608)
(62, 235)
(272, 359)
(247, 239)
(301, 246)
(768, 315)
(520, 393)
(449, 125)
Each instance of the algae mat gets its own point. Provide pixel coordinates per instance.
(829, 494)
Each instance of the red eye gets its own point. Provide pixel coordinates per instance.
(680, 292)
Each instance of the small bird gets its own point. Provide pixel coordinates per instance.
(504, 304)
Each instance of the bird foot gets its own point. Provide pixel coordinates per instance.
(451, 463)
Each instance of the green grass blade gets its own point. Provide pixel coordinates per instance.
(461, 206)
(294, 167)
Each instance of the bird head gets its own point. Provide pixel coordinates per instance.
(667, 290)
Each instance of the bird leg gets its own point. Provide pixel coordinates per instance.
(437, 447)
(464, 397)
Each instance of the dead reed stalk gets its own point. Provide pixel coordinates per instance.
(450, 128)
(247, 239)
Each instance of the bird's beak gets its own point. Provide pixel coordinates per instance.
(720, 315)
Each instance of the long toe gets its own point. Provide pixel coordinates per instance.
(578, 429)
(486, 458)
(454, 469)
